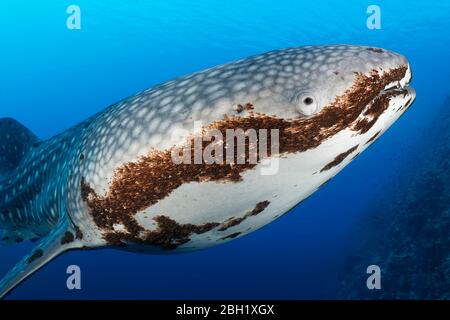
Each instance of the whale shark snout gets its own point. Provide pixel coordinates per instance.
(113, 180)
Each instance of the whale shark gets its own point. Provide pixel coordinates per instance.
(113, 180)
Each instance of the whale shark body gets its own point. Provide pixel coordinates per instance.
(112, 180)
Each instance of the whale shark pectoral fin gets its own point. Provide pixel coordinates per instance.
(51, 246)
(15, 142)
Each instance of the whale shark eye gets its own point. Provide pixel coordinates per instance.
(305, 103)
(308, 100)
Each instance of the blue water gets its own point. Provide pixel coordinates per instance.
(52, 78)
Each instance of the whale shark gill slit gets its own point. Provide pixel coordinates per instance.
(138, 185)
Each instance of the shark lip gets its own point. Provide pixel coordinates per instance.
(399, 85)
(397, 89)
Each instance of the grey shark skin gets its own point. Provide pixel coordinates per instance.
(109, 181)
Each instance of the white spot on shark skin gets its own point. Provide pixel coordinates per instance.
(119, 227)
(142, 123)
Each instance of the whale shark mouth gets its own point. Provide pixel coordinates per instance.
(398, 86)
(138, 185)
(403, 83)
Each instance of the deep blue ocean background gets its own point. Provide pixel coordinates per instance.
(51, 78)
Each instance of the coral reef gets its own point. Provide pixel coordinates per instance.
(407, 233)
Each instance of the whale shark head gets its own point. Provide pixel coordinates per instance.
(303, 82)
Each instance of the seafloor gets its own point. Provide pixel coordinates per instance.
(407, 232)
